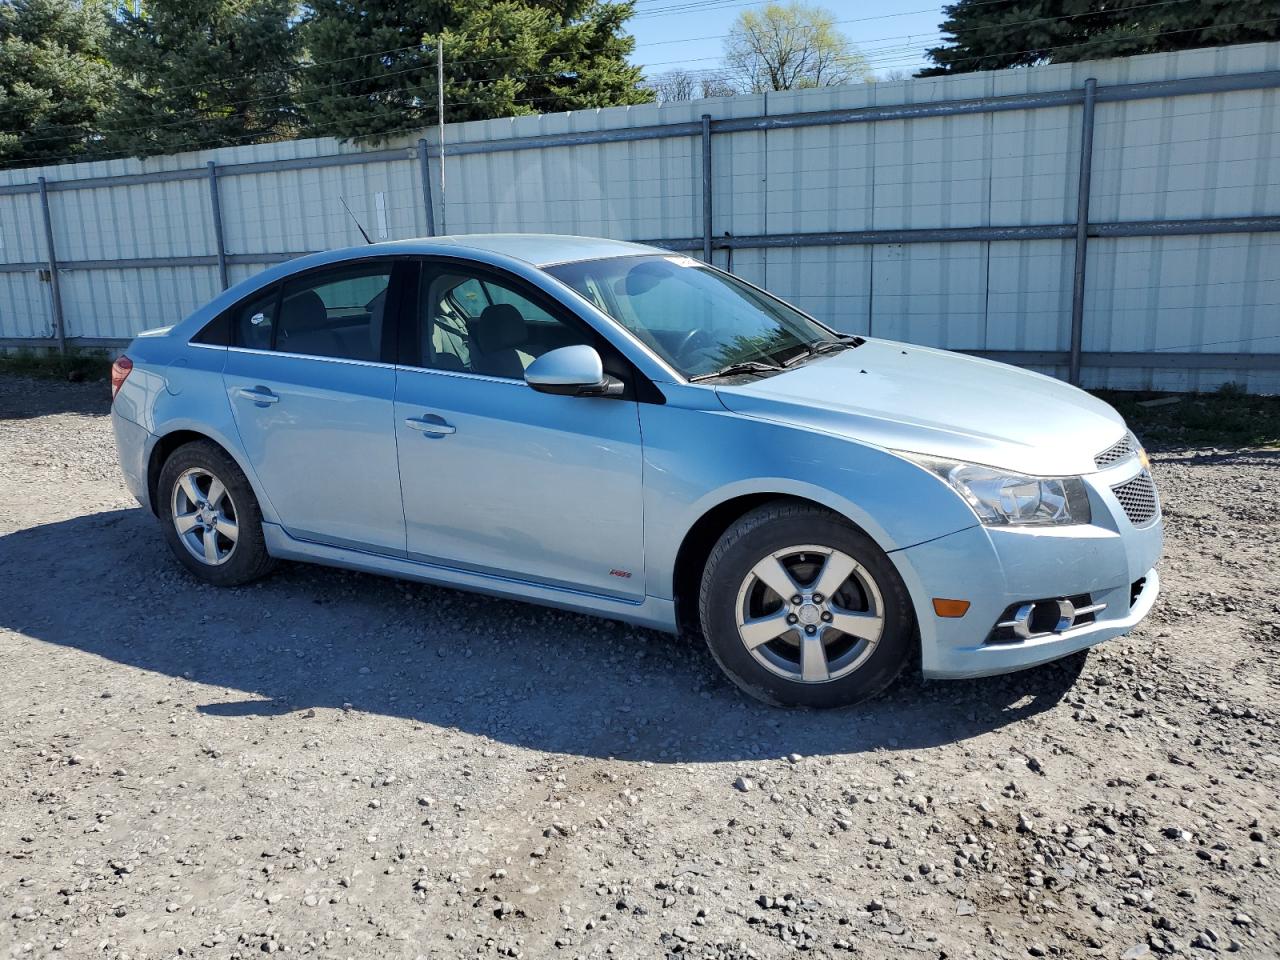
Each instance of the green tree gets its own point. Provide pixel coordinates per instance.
(54, 78)
(789, 47)
(203, 73)
(374, 70)
(987, 35)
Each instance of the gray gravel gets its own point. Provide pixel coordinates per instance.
(339, 765)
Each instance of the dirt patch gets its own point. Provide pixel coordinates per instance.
(334, 764)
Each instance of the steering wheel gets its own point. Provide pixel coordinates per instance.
(693, 340)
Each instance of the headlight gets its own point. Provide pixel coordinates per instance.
(1000, 497)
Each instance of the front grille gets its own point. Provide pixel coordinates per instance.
(1122, 449)
(1138, 498)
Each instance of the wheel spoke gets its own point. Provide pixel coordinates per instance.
(813, 659)
(193, 494)
(216, 492)
(864, 626)
(186, 522)
(776, 577)
(210, 546)
(835, 571)
(761, 630)
(229, 529)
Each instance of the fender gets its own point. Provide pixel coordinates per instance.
(894, 501)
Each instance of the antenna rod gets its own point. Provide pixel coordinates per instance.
(444, 227)
(353, 217)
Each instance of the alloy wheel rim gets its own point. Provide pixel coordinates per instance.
(205, 517)
(809, 613)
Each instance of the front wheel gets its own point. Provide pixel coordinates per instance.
(800, 608)
(210, 516)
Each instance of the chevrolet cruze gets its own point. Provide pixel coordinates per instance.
(620, 430)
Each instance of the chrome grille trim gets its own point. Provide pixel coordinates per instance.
(1138, 499)
(1122, 449)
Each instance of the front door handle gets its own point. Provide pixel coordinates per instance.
(430, 424)
(259, 395)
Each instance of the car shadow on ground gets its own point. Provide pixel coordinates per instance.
(310, 637)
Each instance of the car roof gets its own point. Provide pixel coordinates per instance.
(536, 249)
(529, 251)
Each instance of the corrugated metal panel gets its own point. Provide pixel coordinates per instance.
(831, 283)
(1029, 295)
(26, 307)
(1191, 156)
(1176, 294)
(627, 191)
(125, 222)
(301, 210)
(21, 230)
(120, 303)
(930, 293)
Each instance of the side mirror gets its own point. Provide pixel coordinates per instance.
(575, 371)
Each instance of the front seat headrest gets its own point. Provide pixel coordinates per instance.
(499, 327)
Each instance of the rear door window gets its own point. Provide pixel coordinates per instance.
(254, 321)
(335, 313)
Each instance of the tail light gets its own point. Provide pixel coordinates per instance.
(120, 371)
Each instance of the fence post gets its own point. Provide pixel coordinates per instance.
(706, 187)
(217, 224)
(1082, 228)
(424, 170)
(59, 325)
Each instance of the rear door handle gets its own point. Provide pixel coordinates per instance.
(430, 424)
(260, 395)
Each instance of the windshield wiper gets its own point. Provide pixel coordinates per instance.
(817, 347)
(743, 366)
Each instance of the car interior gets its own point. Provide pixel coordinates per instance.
(336, 319)
(477, 326)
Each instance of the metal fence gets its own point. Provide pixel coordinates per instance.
(1116, 222)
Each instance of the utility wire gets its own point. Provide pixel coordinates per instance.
(428, 48)
(232, 141)
(878, 56)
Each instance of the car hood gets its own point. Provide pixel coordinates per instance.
(935, 402)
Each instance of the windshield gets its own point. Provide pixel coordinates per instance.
(698, 319)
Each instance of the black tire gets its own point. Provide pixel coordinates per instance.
(775, 527)
(247, 559)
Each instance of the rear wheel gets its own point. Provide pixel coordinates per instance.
(210, 516)
(801, 608)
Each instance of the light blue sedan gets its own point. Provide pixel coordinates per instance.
(619, 430)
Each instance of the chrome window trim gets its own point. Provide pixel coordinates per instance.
(208, 346)
(308, 356)
(464, 374)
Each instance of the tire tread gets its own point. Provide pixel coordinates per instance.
(252, 561)
(784, 511)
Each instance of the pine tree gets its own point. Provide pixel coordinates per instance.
(54, 78)
(203, 73)
(994, 34)
(374, 71)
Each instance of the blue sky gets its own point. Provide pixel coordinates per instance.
(892, 34)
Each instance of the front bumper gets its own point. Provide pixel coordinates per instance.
(994, 568)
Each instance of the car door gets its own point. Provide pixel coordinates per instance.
(313, 401)
(498, 478)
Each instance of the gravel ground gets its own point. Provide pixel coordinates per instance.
(339, 765)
